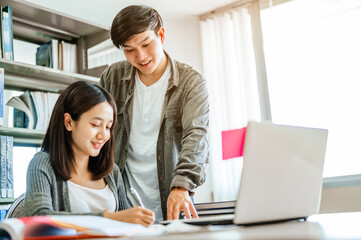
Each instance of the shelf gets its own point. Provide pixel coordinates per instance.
(35, 23)
(22, 76)
(6, 200)
(24, 137)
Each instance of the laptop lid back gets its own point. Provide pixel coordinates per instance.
(282, 173)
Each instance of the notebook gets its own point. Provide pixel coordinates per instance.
(281, 176)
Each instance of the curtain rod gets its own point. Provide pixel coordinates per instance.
(241, 3)
(225, 8)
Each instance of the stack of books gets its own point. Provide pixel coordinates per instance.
(213, 208)
(57, 54)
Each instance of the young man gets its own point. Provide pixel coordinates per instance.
(163, 111)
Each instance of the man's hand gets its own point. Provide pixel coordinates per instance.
(178, 201)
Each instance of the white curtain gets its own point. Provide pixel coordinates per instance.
(229, 67)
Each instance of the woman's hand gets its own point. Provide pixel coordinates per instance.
(137, 215)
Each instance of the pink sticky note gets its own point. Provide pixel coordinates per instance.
(232, 143)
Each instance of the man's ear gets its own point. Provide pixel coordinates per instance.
(68, 122)
(161, 34)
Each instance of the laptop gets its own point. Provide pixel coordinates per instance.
(281, 176)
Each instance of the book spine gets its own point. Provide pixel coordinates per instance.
(2, 214)
(2, 77)
(1, 32)
(9, 167)
(19, 118)
(3, 166)
(8, 34)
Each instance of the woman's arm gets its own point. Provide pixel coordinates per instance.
(45, 193)
(137, 214)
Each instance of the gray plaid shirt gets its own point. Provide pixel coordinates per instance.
(182, 146)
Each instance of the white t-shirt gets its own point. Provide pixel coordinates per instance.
(84, 200)
(141, 166)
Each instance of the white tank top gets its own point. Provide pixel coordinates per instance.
(85, 200)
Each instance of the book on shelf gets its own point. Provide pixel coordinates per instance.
(47, 54)
(6, 167)
(67, 227)
(1, 31)
(2, 77)
(3, 174)
(24, 110)
(69, 58)
(9, 167)
(59, 55)
(7, 33)
(36, 106)
(55, 53)
(44, 56)
(3, 214)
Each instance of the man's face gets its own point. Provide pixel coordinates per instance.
(145, 51)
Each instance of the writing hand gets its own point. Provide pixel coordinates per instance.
(179, 200)
(137, 215)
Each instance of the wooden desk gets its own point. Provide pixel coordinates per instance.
(321, 226)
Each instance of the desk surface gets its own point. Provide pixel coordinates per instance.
(320, 226)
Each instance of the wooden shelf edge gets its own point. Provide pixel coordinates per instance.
(6, 200)
(39, 72)
(22, 132)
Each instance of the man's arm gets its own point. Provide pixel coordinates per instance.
(190, 171)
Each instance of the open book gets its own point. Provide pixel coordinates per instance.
(37, 106)
(66, 227)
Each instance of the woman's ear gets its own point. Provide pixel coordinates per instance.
(68, 122)
(161, 34)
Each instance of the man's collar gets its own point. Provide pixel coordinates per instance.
(174, 77)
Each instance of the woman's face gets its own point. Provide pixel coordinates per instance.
(91, 131)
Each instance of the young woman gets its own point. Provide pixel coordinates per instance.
(74, 173)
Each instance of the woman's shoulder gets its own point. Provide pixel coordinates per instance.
(40, 160)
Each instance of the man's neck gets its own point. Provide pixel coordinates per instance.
(150, 79)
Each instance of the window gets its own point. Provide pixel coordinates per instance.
(21, 158)
(313, 52)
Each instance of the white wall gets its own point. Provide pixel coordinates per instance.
(182, 41)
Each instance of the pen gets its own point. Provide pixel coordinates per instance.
(136, 196)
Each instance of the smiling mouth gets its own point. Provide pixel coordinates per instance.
(97, 145)
(144, 64)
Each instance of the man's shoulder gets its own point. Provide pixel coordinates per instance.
(116, 70)
(187, 73)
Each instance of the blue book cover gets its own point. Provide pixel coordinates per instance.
(3, 214)
(2, 77)
(3, 166)
(44, 55)
(8, 46)
(9, 167)
(21, 120)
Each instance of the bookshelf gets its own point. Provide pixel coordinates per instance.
(37, 24)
